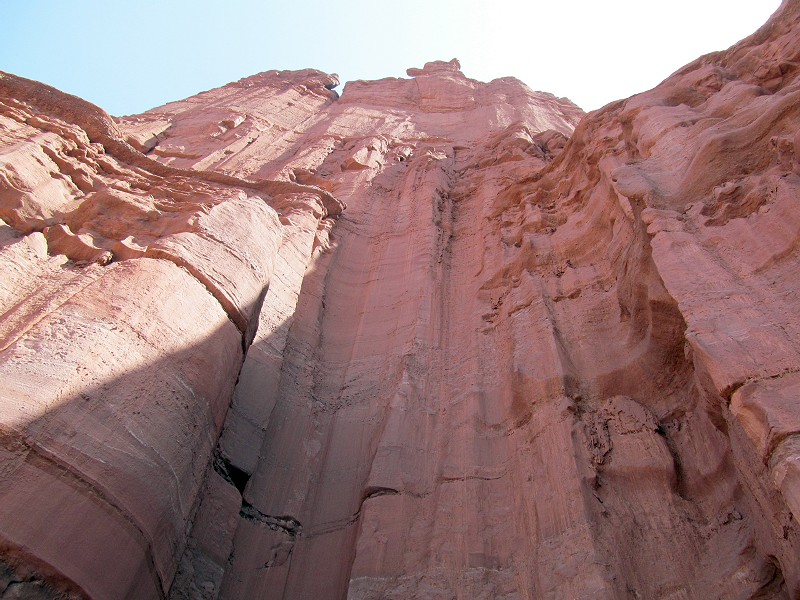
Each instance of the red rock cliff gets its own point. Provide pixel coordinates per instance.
(433, 338)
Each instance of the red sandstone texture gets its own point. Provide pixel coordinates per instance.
(431, 339)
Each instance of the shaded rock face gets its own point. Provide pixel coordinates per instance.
(433, 338)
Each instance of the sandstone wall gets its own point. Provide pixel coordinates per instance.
(433, 338)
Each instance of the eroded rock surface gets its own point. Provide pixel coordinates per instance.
(129, 292)
(538, 355)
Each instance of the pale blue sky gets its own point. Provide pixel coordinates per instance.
(129, 56)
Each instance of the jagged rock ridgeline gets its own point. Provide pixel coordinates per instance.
(434, 338)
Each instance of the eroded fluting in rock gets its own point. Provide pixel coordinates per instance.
(538, 355)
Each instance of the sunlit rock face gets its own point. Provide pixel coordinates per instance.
(432, 338)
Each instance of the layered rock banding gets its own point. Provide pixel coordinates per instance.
(434, 338)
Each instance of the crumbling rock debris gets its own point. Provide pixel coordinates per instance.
(432, 338)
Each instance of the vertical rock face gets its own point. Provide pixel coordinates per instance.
(538, 355)
(129, 291)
